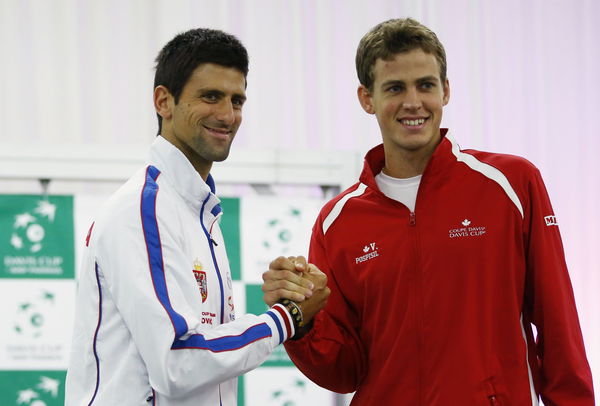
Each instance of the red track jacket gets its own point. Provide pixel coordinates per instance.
(436, 307)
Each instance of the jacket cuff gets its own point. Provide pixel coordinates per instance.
(280, 322)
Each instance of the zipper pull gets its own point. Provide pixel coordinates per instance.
(412, 220)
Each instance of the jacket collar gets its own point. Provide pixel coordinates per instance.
(375, 161)
(182, 176)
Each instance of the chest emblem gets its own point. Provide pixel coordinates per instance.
(201, 279)
(369, 251)
(466, 229)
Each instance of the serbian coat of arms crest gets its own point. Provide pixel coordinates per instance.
(201, 279)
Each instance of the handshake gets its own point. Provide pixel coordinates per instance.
(303, 283)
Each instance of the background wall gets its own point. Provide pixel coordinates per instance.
(77, 80)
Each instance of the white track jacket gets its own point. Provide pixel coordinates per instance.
(155, 321)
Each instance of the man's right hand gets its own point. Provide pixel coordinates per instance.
(284, 280)
(293, 278)
(311, 306)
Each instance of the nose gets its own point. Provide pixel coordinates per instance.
(225, 112)
(411, 100)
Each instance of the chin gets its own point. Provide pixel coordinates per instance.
(414, 142)
(219, 156)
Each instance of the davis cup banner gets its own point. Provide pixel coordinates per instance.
(38, 289)
(37, 294)
(36, 237)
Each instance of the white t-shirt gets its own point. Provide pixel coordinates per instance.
(403, 190)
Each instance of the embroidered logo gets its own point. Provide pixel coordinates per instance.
(208, 318)
(370, 251)
(466, 230)
(551, 221)
(201, 279)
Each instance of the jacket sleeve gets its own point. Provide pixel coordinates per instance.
(146, 274)
(331, 354)
(565, 377)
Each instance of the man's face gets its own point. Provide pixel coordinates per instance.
(209, 112)
(407, 98)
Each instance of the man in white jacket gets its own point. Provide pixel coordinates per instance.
(155, 322)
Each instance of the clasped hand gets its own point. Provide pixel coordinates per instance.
(295, 279)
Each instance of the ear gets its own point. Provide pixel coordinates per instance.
(446, 98)
(163, 102)
(365, 99)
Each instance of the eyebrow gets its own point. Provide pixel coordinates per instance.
(208, 90)
(429, 78)
(402, 82)
(217, 92)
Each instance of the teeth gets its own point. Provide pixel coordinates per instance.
(218, 130)
(414, 122)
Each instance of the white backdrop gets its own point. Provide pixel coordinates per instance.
(524, 80)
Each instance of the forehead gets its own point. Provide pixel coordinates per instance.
(406, 66)
(216, 77)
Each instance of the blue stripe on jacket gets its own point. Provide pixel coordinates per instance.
(227, 343)
(157, 272)
(154, 248)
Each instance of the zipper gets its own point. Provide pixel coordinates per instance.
(418, 303)
(212, 242)
(151, 398)
(492, 393)
(494, 400)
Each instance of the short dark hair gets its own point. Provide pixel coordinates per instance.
(184, 53)
(392, 37)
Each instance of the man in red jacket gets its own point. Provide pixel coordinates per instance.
(439, 259)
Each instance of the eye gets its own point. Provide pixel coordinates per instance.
(238, 102)
(427, 85)
(395, 88)
(210, 97)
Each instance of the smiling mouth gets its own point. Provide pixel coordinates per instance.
(223, 131)
(413, 122)
(218, 133)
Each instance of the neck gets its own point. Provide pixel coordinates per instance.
(203, 170)
(201, 166)
(407, 164)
